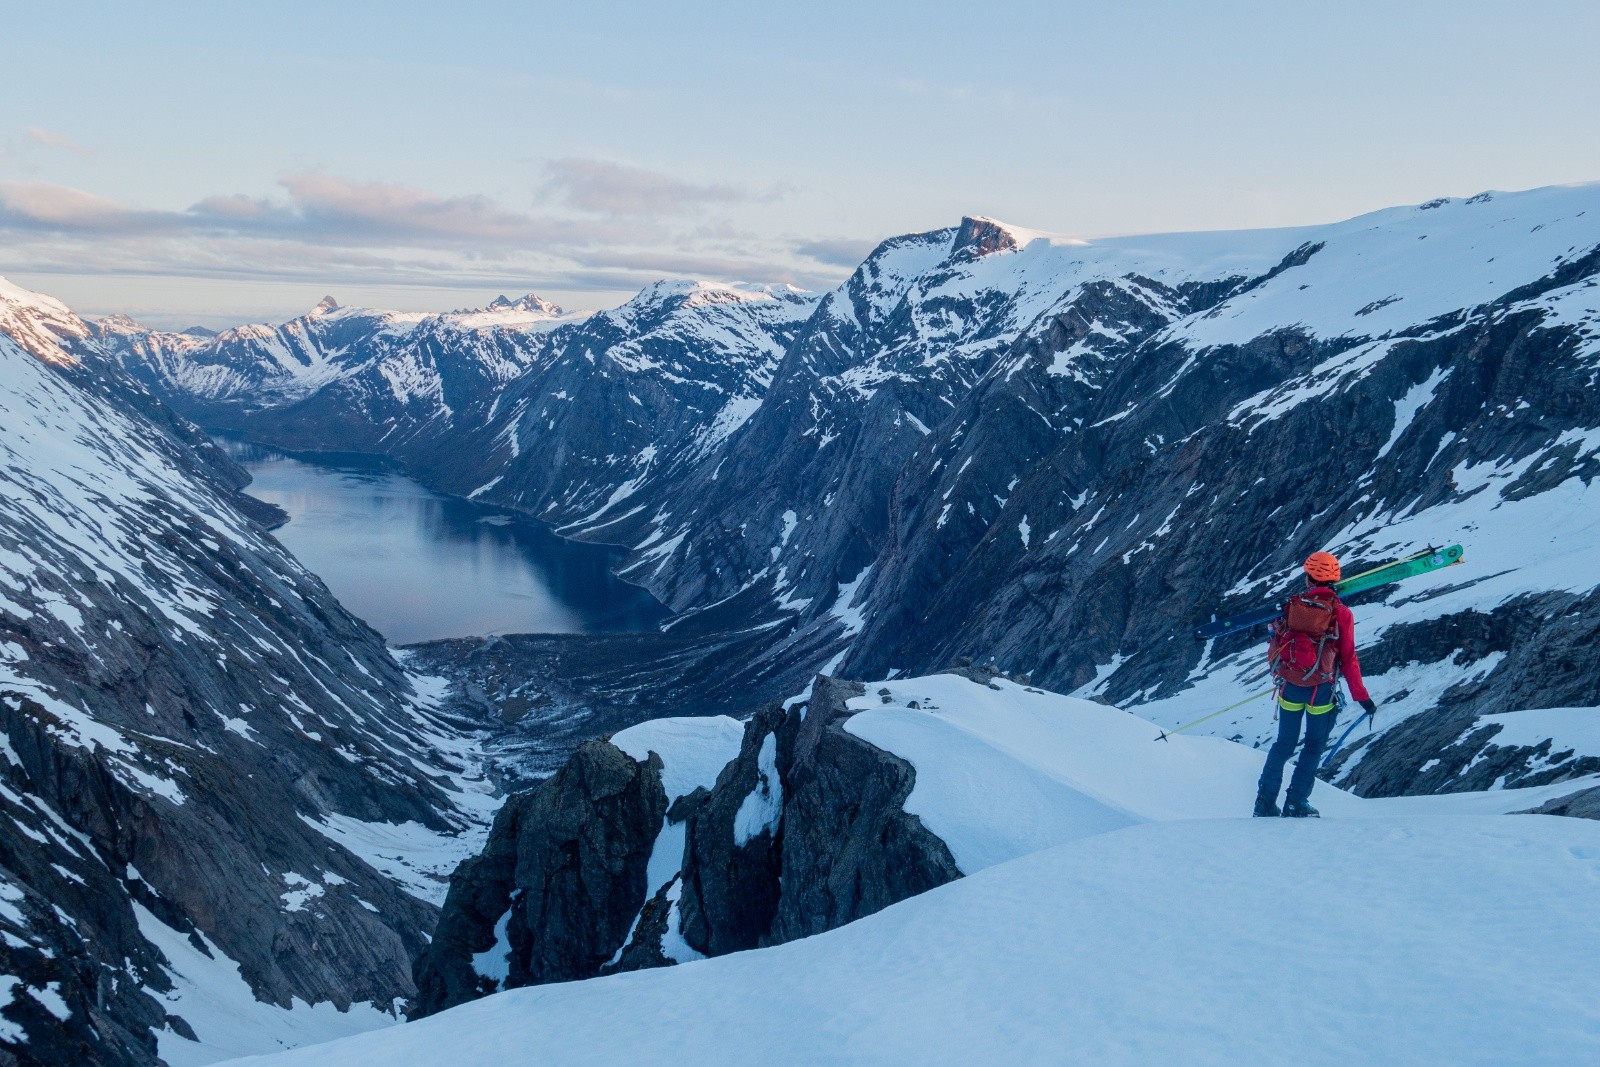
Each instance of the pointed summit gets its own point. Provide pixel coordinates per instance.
(325, 305)
(533, 302)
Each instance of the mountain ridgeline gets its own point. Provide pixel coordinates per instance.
(1050, 454)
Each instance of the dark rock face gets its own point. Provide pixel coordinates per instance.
(85, 962)
(803, 831)
(187, 711)
(583, 842)
(732, 860)
(567, 860)
(850, 848)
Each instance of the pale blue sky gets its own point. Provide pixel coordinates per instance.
(214, 162)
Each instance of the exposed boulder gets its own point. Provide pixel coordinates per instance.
(1584, 804)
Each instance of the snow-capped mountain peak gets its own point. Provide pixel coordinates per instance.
(42, 325)
(121, 324)
(530, 302)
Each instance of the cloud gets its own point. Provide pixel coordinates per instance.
(333, 230)
(320, 209)
(50, 139)
(836, 252)
(43, 207)
(620, 189)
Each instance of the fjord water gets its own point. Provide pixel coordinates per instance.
(417, 565)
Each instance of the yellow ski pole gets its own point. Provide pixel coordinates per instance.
(1179, 729)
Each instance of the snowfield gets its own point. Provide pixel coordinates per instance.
(1119, 910)
(1453, 940)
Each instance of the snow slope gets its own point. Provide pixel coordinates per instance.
(1213, 943)
(1158, 926)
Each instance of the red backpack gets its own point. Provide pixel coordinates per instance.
(1304, 647)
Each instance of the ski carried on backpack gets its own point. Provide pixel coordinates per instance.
(1431, 559)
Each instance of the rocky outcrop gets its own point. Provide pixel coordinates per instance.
(850, 848)
(804, 830)
(555, 890)
(1584, 804)
(734, 846)
(1542, 648)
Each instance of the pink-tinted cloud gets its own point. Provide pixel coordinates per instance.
(46, 207)
(331, 229)
(611, 188)
(320, 209)
(50, 139)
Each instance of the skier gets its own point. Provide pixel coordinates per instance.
(1313, 642)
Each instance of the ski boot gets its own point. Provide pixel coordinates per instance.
(1266, 807)
(1300, 809)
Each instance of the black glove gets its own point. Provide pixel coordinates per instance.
(1370, 707)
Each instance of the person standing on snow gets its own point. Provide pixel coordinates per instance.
(1312, 643)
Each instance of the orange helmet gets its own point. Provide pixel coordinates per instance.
(1322, 568)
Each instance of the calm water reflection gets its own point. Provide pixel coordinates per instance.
(417, 565)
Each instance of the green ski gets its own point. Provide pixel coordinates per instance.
(1421, 563)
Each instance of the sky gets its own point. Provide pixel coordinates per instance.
(219, 163)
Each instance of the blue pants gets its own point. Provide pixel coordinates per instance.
(1293, 703)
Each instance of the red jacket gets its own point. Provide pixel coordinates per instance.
(1349, 664)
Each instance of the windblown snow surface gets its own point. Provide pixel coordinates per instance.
(1118, 910)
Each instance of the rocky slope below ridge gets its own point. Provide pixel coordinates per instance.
(198, 739)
